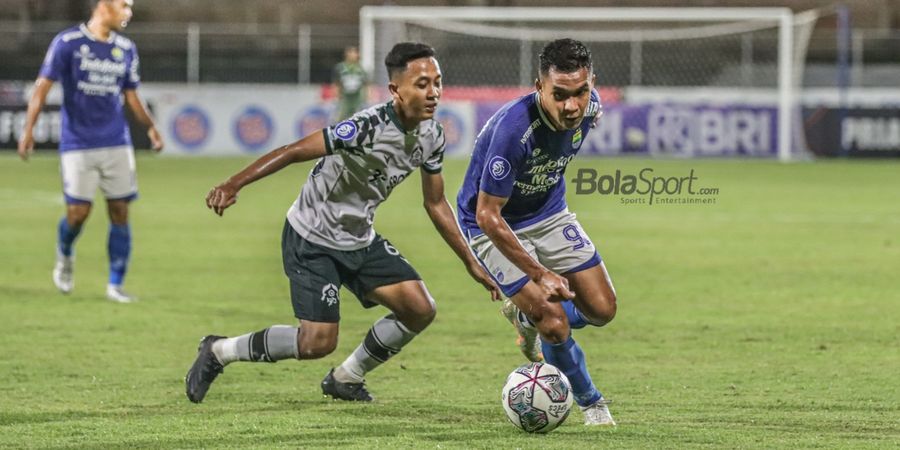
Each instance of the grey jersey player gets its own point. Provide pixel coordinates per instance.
(336, 207)
(328, 240)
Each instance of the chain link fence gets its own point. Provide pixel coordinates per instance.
(271, 53)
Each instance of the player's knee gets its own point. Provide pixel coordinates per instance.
(118, 212)
(316, 349)
(552, 325)
(603, 312)
(418, 314)
(77, 221)
(119, 219)
(313, 345)
(77, 216)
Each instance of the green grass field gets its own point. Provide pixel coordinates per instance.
(770, 319)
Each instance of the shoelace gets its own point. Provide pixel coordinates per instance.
(357, 390)
(213, 369)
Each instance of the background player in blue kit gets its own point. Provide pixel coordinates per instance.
(513, 211)
(98, 69)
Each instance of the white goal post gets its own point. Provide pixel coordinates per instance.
(383, 25)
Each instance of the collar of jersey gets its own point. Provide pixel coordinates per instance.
(537, 103)
(87, 33)
(393, 115)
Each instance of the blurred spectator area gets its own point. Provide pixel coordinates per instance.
(282, 41)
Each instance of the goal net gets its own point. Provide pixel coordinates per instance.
(697, 58)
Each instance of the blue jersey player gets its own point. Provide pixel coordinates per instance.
(98, 71)
(513, 212)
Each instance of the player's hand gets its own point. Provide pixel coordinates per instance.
(156, 143)
(221, 197)
(480, 275)
(26, 146)
(556, 286)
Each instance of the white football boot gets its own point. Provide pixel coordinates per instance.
(598, 414)
(116, 294)
(529, 341)
(63, 273)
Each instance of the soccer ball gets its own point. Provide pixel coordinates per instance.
(537, 397)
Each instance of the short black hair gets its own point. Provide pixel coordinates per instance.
(565, 55)
(404, 52)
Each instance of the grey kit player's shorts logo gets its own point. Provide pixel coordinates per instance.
(330, 294)
(391, 249)
(499, 167)
(345, 130)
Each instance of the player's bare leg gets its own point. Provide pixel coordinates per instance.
(595, 296)
(412, 310)
(316, 339)
(69, 228)
(409, 301)
(119, 248)
(595, 301)
(547, 317)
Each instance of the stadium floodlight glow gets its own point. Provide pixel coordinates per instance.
(380, 25)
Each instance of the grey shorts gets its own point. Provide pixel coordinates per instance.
(112, 169)
(559, 243)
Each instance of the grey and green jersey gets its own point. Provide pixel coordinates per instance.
(368, 156)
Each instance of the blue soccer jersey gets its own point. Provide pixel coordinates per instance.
(521, 156)
(93, 74)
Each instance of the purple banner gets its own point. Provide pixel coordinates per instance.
(689, 130)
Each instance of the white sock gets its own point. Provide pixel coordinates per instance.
(269, 345)
(385, 339)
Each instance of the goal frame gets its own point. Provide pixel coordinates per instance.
(783, 17)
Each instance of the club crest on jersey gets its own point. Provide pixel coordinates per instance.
(576, 139)
(117, 53)
(499, 167)
(345, 130)
(330, 294)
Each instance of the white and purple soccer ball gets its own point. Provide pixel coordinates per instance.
(537, 397)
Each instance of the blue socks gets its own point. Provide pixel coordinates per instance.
(119, 247)
(569, 359)
(576, 320)
(67, 236)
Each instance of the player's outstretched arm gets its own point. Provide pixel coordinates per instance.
(442, 216)
(497, 229)
(225, 194)
(139, 109)
(35, 104)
